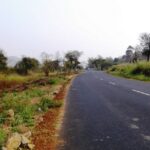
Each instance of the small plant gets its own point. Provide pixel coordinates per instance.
(34, 93)
(46, 103)
(24, 115)
(52, 81)
(3, 117)
(2, 137)
(57, 80)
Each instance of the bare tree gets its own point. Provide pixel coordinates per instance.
(46, 63)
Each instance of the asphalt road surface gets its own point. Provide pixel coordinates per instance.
(106, 113)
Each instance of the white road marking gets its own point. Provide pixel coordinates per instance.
(112, 83)
(133, 126)
(147, 94)
(135, 119)
(146, 137)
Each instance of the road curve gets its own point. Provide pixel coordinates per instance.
(106, 113)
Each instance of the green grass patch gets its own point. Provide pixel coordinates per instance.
(3, 117)
(47, 103)
(20, 102)
(2, 137)
(19, 109)
(19, 78)
(57, 80)
(15, 99)
(24, 115)
(10, 80)
(139, 71)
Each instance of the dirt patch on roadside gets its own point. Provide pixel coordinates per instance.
(60, 95)
(14, 86)
(43, 137)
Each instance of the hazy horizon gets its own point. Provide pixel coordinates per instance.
(96, 27)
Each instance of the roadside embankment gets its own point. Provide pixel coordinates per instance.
(29, 112)
(138, 71)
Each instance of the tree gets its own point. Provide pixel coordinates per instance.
(129, 54)
(137, 53)
(72, 58)
(145, 43)
(95, 62)
(100, 63)
(3, 61)
(26, 64)
(46, 65)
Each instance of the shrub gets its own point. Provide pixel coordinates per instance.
(2, 137)
(24, 115)
(46, 103)
(3, 117)
(140, 70)
(55, 80)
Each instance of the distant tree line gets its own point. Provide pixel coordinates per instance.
(100, 63)
(70, 62)
(132, 55)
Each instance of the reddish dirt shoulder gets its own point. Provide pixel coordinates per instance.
(44, 136)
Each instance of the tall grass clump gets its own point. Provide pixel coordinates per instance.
(2, 137)
(140, 70)
(47, 103)
(10, 80)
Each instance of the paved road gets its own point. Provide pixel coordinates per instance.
(106, 113)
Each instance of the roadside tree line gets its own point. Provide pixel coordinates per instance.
(69, 63)
(132, 55)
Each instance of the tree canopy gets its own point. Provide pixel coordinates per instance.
(145, 43)
(3, 61)
(26, 64)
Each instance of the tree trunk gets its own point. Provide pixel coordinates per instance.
(148, 57)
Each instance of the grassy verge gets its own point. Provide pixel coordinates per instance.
(20, 111)
(138, 71)
(10, 80)
(45, 134)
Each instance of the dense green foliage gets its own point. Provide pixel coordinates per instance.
(47, 103)
(2, 137)
(26, 64)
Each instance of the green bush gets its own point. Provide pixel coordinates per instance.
(140, 70)
(52, 81)
(47, 103)
(57, 80)
(24, 115)
(2, 137)
(3, 117)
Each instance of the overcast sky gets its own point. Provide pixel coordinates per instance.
(96, 27)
